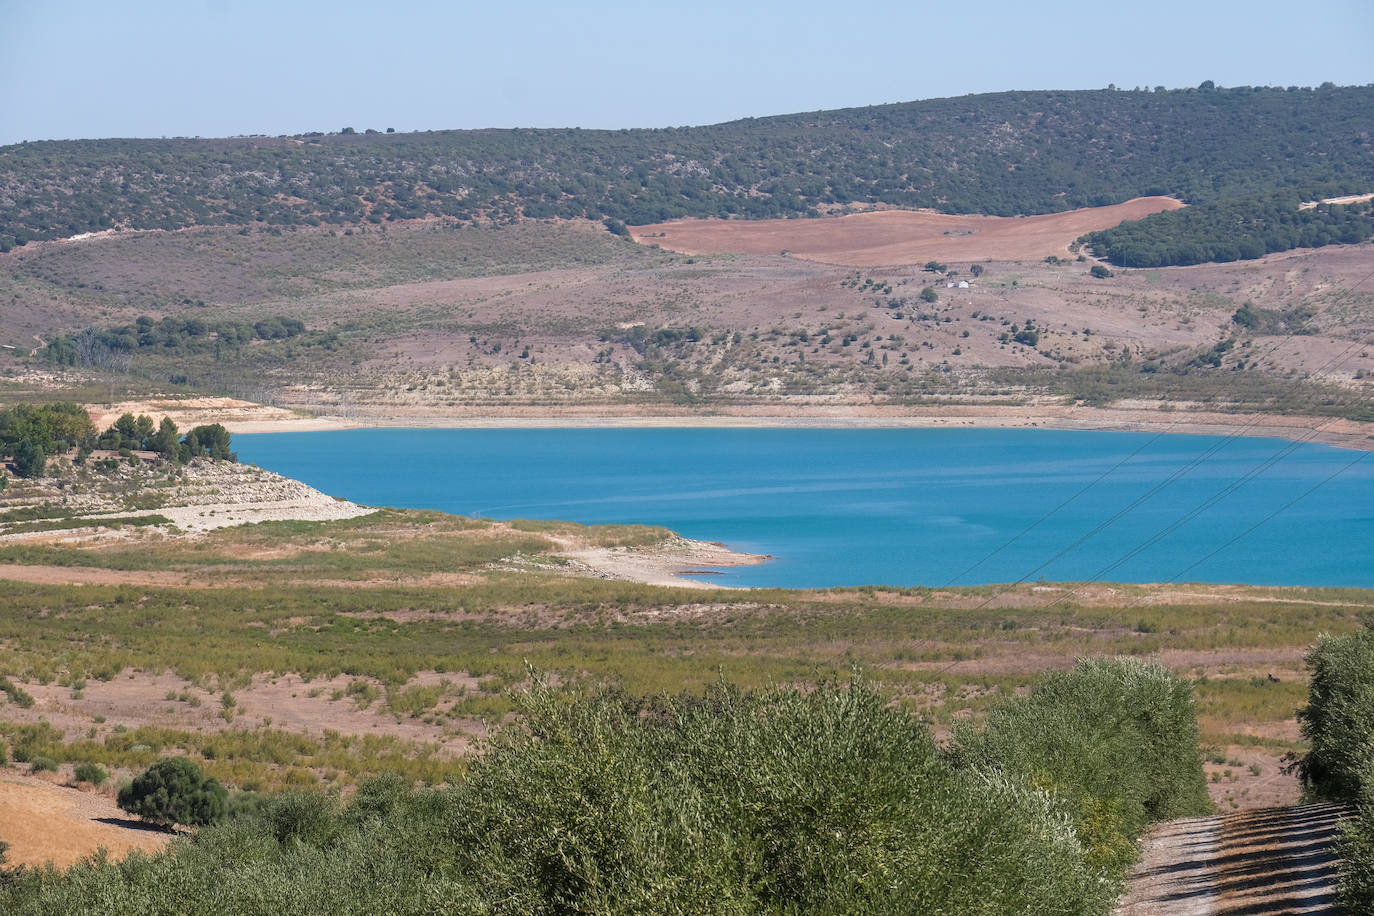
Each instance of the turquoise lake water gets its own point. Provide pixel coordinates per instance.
(892, 506)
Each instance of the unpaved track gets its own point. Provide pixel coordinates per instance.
(1263, 862)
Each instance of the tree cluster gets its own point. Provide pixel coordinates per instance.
(1005, 154)
(1233, 230)
(102, 347)
(30, 434)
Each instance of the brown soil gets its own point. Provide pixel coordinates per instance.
(44, 822)
(898, 236)
(287, 702)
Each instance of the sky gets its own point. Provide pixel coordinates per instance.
(213, 68)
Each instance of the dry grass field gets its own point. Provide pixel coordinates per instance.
(893, 237)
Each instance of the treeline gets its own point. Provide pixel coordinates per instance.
(829, 800)
(172, 336)
(1005, 154)
(1338, 721)
(1233, 230)
(31, 434)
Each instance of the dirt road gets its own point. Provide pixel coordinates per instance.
(1262, 862)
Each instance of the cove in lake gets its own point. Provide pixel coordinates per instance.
(900, 507)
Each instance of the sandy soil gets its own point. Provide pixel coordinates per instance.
(663, 564)
(45, 822)
(1128, 418)
(288, 702)
(889, 237)
(189, 412)
(1348, 199)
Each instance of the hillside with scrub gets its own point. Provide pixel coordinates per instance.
(442, 276)
(1002, 154)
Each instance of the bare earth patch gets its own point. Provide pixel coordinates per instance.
(886, 237)
(44, 822)
(662, 564)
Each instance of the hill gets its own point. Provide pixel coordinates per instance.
(1001, 154)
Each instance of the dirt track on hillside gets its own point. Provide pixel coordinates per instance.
(887, 237)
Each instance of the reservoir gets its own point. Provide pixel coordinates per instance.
(902, 507)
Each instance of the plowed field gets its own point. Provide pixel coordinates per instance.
(891, 237)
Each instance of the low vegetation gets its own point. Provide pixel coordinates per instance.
(1338, 720)
(826, 800)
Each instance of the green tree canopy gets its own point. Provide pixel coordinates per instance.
(174, 791)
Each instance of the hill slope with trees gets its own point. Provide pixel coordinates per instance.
(1002, 154)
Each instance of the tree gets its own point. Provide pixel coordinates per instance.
(174, 791)
(210, 441)
(164, 441)
(929, 294)
(1100, 272)
(29, 460)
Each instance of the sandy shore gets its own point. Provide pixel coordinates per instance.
(1338, 432)
(247, 417)
(669, 563)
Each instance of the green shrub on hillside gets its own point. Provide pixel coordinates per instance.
(1116, 737)
(783, 801)
(1338, 721)
(93, 773)
(174, 791)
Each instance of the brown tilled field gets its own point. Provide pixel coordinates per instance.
(888, 237)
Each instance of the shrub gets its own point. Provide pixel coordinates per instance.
(174, 791)
(782, 801)
(1100, 272)
(92, 773)
(1117, 738)
(1338, 720)
(42, 765)
(17, 695)
(828, 800)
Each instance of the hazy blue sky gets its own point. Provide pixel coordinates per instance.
(96, 68)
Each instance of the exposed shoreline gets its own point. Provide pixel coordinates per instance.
(1338, 432)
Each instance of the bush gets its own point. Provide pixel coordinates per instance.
(92, 773)
(1117, 738)
(16, 694)
(1100, 272)
(42, 765)
(785, 801)
(829, 800)
(174, 791)
(1338, 720)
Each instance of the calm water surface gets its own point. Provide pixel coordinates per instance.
(891, 506)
